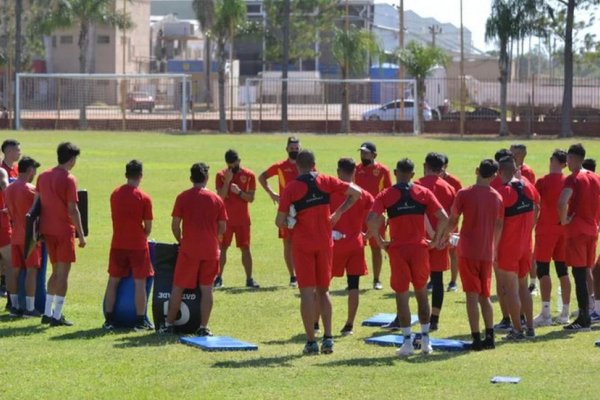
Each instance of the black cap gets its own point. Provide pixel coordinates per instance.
(293, 140)
(231, 156)
(368, 146)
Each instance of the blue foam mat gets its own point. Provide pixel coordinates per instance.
(384, 319)
(437, 344)
(217, 343)
(598, 343)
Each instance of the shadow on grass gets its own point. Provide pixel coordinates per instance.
(243, 289)
(22, 330)
(81, 334)
(299, 338)
(392, 295)
(262, 362)
(344, 292)
(148, 340)
(363, 362)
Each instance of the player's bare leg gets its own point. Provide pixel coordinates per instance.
(60, 272)
(526, 304)
(307, 311)
(289, 262)
(376, 261)
(510, 282)
(206, 305)
(453, 270)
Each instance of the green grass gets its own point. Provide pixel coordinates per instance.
(82, 362)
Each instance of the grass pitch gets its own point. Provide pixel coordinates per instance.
(83, 362)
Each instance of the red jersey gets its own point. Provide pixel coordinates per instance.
(496, 183)
(19, 199)
(481, 206)
(200, 211)
(129, 207)
(286, 172)
(519, 218)
(313, 229)
(13, 174)
(443, 192)
(453, 181)
(549, 187)
(352, 221)
(527, 172)
(373, 178)
(584, 203)
(237, 208)
(57, 188)
(406, 206)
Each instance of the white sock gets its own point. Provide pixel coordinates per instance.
(168, 323)
(14, 301)
(48, 308)
(565, 310)
(597, 305)
(59, 301)
(546, 308)
(425, 328)
(534, 282)
(30, 303)
(407, 332)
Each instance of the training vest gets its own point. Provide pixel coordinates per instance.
(314, 196)
(406, 205)
(523, 204)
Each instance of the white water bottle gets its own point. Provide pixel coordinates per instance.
(337, 235)
(291, 217)
(559, 302)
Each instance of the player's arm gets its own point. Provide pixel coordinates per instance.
(374, 223)
(176, 228)
(221, 227)
(247, 196)
(222, 183)
(563, 206)
(497, 234)
(147, 223)
(352, 195)
(3, 179)
(76, 218)
(440, 230)
(262, 179)
(280, 219)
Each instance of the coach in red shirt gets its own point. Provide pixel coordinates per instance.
(407, 206)
(59, 221)
(131, 211)
(578, 207)
(308, 197)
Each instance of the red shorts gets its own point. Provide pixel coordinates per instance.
(284, 233)
(581, 251)
(313, 268)
(409, 263)
(5, 237)
(475, 275)
(122, 262)
(521, 267)
(550, 247)
(439, 260)
(350, 260)
(34, 260)
(242, 236)
(61, 249)
(191, 271)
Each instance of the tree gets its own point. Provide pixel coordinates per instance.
(509, 20)
(205, 13)
(229, 16)
(352, 48)
(418, 61)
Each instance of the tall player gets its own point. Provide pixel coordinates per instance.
(236, 186)
(457, 185)
(349, 242)
(406, 205)
(373, 177)
(550, 240)
(286, 171)
(11, 152)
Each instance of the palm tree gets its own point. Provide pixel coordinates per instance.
(229, 16)
(418, 61)
(205, 13)
(509, 20)
(351, 49)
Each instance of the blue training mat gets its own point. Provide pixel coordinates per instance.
(437, 344)
(598, 343)
(217, 343)
(384, 319)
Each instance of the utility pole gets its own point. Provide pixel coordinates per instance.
(434, 30)
(462, 72)
(401, 45)
(18, 40)
(284, 66)
(124, 66)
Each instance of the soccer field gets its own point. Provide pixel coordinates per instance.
(84, 362)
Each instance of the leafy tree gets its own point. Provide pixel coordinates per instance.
(205, 13)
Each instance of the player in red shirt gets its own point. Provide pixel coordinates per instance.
(349, 240)
(11, 151)
(236, 186)
(482, 210)
(19, 198)
(457, 185)
(131, 211)
(439, 259)
(286, 171)
(306, 202)
(519, 152)
(594, 281)
(198, 224)
(550, 240)
(521, 208)
(578, 207)
(59, 221)
(406, 206)
(373, 177)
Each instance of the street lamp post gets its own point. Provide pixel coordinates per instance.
(462, 73)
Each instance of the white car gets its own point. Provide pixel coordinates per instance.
(391, 111)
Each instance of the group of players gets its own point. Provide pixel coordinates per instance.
(325, 223)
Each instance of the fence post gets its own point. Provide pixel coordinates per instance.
(248, 108)
(184, 104)
(18, 103)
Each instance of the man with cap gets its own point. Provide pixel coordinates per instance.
(286, 171)
(236, 186)
(373, 177)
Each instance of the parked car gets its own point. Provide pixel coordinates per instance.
(391, 111)
(479, 113)
(140, 101)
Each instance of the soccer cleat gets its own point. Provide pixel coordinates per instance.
(595, 317)
(166, 329)
(529, 333)
(503, 325)
(46, 319)
(514, 336)
(346, 330)
(562, 319)
(32, 314)
(251, 283)
(311, 349)
(218, 283)
(426, 345)
(317, 328)
(477, 345)
(542, 320)
(15, 312)
(394, 325)
(62, 321)
(108, 326)
(452, 287)
(488, 344)
(433, 326)
(533, 289)
(204, 331)
(327, 346)
(430, 286)
(578, 326)
(293, 282)
(377, 285)
(407, 348)
(3, 292)
(143, 326)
